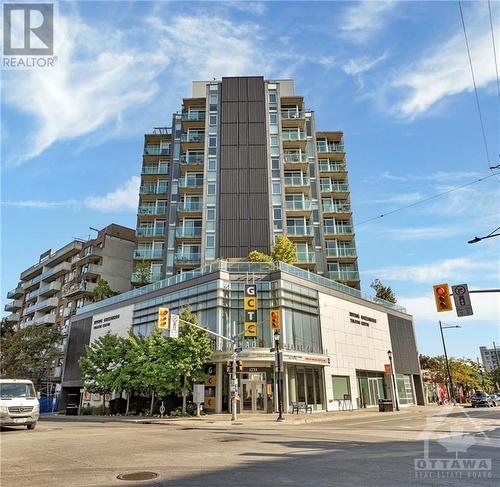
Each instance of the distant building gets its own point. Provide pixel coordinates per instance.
(490, 358)
(50, 291)
(242, 163)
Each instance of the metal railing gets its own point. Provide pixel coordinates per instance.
(193, 116)
(339, 208)
(332, 167)
(292, 114)
(298, 205)
(296, 181)
(322, 147)
(152, 210)
(148, 254)
(154, 170)
(192, 137)
(344, 275)
(188, 232)
(289, 135)
(294, 157)
(338, 229)
(192, 159)
(156, 151)
(298, 231)
(187, 257)
(153, 189)
(306, 257)
(334, 188)
(190, 206)
(190, 183)
(341, 252)
(149, 232)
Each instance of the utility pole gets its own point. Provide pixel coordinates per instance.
(451, 390)
(482, 374)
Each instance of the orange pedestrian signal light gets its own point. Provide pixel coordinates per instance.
(163, 318)
(442, 297)
(274, 319)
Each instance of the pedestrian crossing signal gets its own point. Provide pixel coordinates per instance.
(163, 318)
(274, 318)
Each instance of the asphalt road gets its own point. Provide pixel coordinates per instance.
(382, 450)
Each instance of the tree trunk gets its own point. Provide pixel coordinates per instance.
(152, 403)
(128, 402)
(104, 404)
(184, 401)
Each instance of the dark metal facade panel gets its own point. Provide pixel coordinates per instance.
(404, 346)
(243, 192)
(79, 338)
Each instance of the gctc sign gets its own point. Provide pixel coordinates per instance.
(28, 29)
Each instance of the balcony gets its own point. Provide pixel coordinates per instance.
(47, 304)
(188, 232)
(82, 287)
(147, 189)
(13, 318)
(48, 319)
(28, 284)
(193, 138)
(325, 148)
(337, 208)
(192, 162)
(297, 183)
(156, 151)
(47, 290)
(193, 116)
(153, 277)
(295, 160)
(148, 254)
(152, 210)
(335, 188)
(155, 170)
(332, 167)
(298, 208)
(150, 232)
(338, 230)
(341, 252)
(187, 258)
(56, 271)
(16, 293)
(344, 276)
(190, 207)
(191, 185)
(292, 114)
(293, 135)
(14, 306)
(299, 231)
(306, 258)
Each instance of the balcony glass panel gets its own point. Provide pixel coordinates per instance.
(338, 229)
(191, 183)
(152, 150)
(192, 137)
(187, 257)
(341, 252)
(149, 232)
(296, 181)
(148, 253)
(291, 114)
(193, 116)
(344, 275)
(289, 135)
(188, 231)
(332, 167)
(299, 230)
(190, 206)
(192, 158)
(298, 205)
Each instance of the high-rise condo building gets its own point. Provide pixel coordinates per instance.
(243, 163)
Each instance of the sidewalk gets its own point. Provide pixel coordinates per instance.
(224, 419)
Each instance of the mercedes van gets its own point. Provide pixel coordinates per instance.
(18, 403)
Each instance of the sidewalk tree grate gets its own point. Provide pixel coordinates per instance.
(137, 476)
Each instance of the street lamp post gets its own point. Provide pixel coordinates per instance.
(451, 389)
(278, 376)
(389, 354)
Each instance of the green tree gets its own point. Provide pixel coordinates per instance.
(102, 365)
(142, 274)
(494, 378)
(383, 292)
(190, 352)
(102, 290)
(31, 352)
(284, 250)
(256, 256)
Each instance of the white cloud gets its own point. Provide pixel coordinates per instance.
(363, 20)
(124, 198)
(360, 65)
(435, 176)
(257, 8)
(444, 70)
(458, 268)
(404, 198)
(486, 308)
(422, 232)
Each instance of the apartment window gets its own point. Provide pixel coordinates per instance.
(210, 214)
(274, 141)
(212, 142)
(212, 164)
(276, 188)
(210, 189)
(275, 163)
(273, 118)
(210, 241)
(277, 213)
(212, 119)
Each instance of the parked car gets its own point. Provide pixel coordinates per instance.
(481, 399)
(495, 397)
(18, 403)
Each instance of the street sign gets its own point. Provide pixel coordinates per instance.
(462, 300)
(199, 393)
(238, 350)
(174, 326)
(387, 369)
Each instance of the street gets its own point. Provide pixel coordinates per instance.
(380, 449)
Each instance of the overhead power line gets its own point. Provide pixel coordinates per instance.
(494, 49)
(475, 88)
(419, 202)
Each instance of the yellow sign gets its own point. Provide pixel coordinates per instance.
(210, 380)
(250, 329)
(209, 402)
(163, 318)
(249, 303)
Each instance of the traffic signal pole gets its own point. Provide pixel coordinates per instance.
(451, 390)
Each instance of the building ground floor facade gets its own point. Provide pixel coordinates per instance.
(334, 340)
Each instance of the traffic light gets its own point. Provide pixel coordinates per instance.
(442, 297)
(229, 367)
(163, 318)
(239, 365)
(274, 319)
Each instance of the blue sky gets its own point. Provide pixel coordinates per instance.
(393, 76)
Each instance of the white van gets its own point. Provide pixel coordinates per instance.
(18, 403)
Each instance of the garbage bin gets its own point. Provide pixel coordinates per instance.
(385, 405)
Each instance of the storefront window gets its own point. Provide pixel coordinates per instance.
(305, 384)
(405, 389)
(341, 386)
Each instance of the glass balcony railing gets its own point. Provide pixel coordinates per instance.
(334, 188)
(306, 257)
(192, 158)
(294, 157)
(152, 210)
(154, 170)
(190, 183)
(338, 229)
(298, 231)
(296, 181)
(298, 205)
(193, 116)
(148, 254)
(149, 232)
(293, 135)
(153, 277)
(291, 114)
(156, 151)
(192, 137)
(188, 232)
(190, 206)
(188, 257)
(323, 147)
(336, 208)
(153, 189)
(344, 275)
(341, 252)
(332, 167)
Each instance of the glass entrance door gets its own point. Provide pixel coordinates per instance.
(253, 396)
